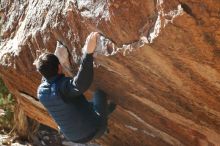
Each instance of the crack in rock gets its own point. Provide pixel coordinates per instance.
(163, 19)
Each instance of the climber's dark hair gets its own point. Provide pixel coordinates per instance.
(47, 64)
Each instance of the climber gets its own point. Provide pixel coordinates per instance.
(78, 119)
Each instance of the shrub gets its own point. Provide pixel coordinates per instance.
(7, 103)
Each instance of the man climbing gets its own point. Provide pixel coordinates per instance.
(78, 119)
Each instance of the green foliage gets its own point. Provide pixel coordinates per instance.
(7, 103)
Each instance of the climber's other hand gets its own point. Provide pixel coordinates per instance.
(90, 44)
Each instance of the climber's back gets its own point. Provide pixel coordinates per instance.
(76, 117)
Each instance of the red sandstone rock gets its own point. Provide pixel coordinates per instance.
(160, 63)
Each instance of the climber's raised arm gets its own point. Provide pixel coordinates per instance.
(82, 81)
(84, 77)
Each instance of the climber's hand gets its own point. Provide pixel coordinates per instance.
(90, 44)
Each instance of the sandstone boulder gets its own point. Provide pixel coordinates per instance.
(159, 62)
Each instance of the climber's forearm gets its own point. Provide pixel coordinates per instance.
(84, 77)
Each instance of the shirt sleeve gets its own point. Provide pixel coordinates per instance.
(82, 81)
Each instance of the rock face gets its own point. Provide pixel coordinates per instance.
(159, 62)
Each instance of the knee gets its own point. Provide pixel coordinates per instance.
(100, 93)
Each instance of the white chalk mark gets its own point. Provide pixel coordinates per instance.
(162, 21)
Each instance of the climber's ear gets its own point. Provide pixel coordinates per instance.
(60, 69)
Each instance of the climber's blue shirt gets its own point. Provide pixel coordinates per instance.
(63, 98)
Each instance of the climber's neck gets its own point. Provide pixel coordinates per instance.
(60, 69)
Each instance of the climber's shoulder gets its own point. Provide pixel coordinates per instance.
(43, 89)
(65, 82)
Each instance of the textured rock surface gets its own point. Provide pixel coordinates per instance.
(161, 66)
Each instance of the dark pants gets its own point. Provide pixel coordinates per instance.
(99, 103)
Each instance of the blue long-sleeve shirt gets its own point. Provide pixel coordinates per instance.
(63, 98)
